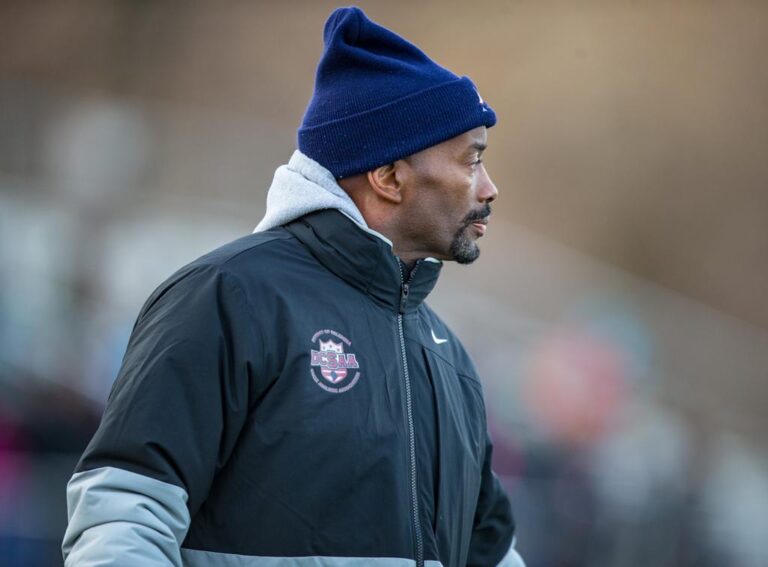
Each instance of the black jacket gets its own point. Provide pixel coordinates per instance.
(290, 395)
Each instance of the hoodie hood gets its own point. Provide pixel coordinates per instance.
(303, 186)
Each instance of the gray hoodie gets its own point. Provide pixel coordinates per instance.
(302, 186)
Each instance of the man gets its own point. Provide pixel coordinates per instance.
(289, 399)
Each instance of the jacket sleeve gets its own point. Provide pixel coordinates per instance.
(493, 540)
(171, 422)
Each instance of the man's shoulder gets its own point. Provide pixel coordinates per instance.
(241, 263)
(257, 246)
(254, 258)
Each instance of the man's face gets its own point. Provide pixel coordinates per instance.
(447, 195)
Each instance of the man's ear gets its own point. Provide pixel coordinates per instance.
(385, 182)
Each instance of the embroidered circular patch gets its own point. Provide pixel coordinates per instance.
(333, 367)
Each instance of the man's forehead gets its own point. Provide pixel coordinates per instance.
(476, 139)
(480, 134)
(471, 140)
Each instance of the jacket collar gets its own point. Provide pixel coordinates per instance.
(365, 260)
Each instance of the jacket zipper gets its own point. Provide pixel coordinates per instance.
(404, 290)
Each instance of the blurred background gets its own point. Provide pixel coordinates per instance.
(618, 313)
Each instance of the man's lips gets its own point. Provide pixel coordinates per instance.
(480, 225)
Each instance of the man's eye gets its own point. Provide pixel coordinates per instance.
(477, 162)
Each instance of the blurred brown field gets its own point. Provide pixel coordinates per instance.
(618, 313)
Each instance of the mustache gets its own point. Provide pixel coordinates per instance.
(477, 215)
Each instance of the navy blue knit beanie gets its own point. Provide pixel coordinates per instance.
(379, 98)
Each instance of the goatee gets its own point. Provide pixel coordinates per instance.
(464, 249)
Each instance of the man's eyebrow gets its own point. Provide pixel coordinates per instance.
(479, 146)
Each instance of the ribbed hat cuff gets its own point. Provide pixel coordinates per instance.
(382, 135)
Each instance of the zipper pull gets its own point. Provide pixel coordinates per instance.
(403, 298)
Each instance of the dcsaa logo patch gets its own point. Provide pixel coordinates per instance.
(333, 366)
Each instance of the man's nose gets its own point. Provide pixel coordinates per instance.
(487, 191)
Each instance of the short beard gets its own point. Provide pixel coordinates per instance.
(463, 249)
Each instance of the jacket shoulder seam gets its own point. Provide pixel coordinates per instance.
(284, 236)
